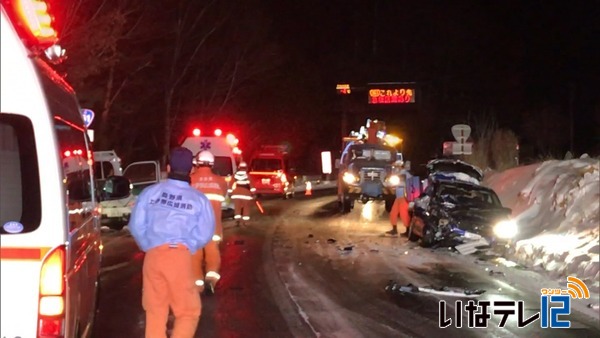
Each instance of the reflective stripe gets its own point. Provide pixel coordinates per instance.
(246, 218)
(241, 197)
(213, 274)
(199, 282)
(23, 253)
(242, 182)
(214, 197)
(216, 238)
(237, 217)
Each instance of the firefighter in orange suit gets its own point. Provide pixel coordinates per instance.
(215, 188)
(242, 194)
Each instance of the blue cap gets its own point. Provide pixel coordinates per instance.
(180, 160)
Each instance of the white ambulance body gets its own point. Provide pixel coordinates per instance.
(225, 151)
(49, 222)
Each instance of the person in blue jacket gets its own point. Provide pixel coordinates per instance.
(170, 221)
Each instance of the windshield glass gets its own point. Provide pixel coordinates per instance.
(371, 154)
(223, 166)
(459, 195)
(266, 164)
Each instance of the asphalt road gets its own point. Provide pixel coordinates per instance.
(304, 270)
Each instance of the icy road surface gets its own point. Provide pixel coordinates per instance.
(304, 270)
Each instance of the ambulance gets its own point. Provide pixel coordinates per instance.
(50, 242)
(224, 147)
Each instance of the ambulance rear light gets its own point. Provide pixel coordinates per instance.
(218, 132)
(51, 313)
(76, 152)
(237, 151)
(196, 132)
(36, 22)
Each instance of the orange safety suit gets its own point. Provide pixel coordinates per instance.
(242, 196)
(209, 258)
(400, 206)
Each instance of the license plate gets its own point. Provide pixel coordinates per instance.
(113, 212)
(266, 181)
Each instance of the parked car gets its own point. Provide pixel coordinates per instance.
(454, 208)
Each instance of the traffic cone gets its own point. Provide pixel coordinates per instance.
(308, 191)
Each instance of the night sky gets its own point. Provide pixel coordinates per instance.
(468, 58)
(528, 65)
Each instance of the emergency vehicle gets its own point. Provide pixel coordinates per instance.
(51, 247)
(116, 212)
(270, 171)
(369, 168)
(225, 149)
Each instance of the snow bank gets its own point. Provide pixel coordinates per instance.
(557, 206)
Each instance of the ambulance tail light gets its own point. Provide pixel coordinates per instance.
(218, 132)
(196, 132)
(35, 20)
(51, 313)
(237, 151)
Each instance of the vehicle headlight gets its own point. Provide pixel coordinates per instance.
(506, 229)
(394, 180)
(349, 177)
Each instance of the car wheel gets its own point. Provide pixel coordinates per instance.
(428, 236)
(117, 225)
(412, 236)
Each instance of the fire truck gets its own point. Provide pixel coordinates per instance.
(270, 171)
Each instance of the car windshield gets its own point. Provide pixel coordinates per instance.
(363, 153)
(462, 195)
(266, 164)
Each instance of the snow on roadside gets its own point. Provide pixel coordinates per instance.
(557, 206)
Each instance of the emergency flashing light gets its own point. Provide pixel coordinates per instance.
(196, 132)
(237, 151)
(218, 132)
(232, 140)
(34, 16)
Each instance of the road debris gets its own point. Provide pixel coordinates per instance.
(331, 240)
(594, 306)
(471, 247)
(497, 273)
(443, 291)
(310, 236)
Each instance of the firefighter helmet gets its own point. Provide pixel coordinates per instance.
(205, 158)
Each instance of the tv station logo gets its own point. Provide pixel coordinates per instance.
(555, 305)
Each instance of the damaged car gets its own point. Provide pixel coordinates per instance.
(455, 210)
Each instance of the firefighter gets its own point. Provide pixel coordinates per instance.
(215, 188)
(170, 221)
(242, 194)
(400, 207)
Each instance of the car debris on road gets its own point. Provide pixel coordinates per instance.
(392, 286)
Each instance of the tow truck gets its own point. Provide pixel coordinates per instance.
(369, 168)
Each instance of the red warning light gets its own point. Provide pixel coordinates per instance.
(67, 153)
(35, 17)
(196, 132)
(232, 140)
(218, 132)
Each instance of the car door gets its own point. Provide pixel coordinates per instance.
(142, 174)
